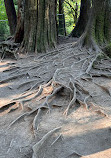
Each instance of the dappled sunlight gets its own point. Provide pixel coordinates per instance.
(55, 79)
(6, 85)
(8, 108)
(74, 129)
(101, 154)
(4, 101)
(3, 63)
(91, 141)
(4, 68)
(47, 90)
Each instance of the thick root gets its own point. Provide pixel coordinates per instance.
(73, 99)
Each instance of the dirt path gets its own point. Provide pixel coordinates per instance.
(56, 105)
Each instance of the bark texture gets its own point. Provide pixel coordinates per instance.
(83, 19)
(11, 14)
(19, 34)
(39, 25)
(98, 30)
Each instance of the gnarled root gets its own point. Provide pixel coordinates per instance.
(73, 99)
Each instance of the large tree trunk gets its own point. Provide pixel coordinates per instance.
(83, 19)
(11, 14)
(19, 34)
(39, 25)
(98, 30)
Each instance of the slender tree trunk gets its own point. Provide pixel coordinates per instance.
(11, 14)
(61, 29)
(98, 30)
(83, 19)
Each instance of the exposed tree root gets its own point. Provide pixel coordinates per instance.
(75, 154)
(9, 48)
(73, 99)
(99, 110)
(36, 121)
(38, 146)
(91, 63)
(83, 103)
(55, 75)
(82, 88)
(21, 117)
(25, 83)
(106, 89)
(36, 95)
(7, 108)
(14, 77)
(57, 90)
(60, 137)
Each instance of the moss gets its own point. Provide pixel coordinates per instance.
(107, 50)
(99, 28)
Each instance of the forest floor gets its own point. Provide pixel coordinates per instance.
(56, 105)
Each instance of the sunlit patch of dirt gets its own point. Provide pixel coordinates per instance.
(56, 105)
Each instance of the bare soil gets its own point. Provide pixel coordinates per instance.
(56, 105)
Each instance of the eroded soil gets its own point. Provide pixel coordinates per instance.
(56, 105)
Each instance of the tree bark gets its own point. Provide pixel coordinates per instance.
(98, 30)
(40, 31)
(83, 19)
(19, 34)
(11, 14)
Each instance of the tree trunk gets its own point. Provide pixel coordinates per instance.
(61, 28)
(39, 25)
(83, 19)
(19, 34)
(11, 14)
(98, 30)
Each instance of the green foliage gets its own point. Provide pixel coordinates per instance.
(69, 7)
(4, 30)
(69, 11)
(4, 27)
(3, 15)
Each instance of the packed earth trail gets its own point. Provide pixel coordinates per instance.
(56, 104)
